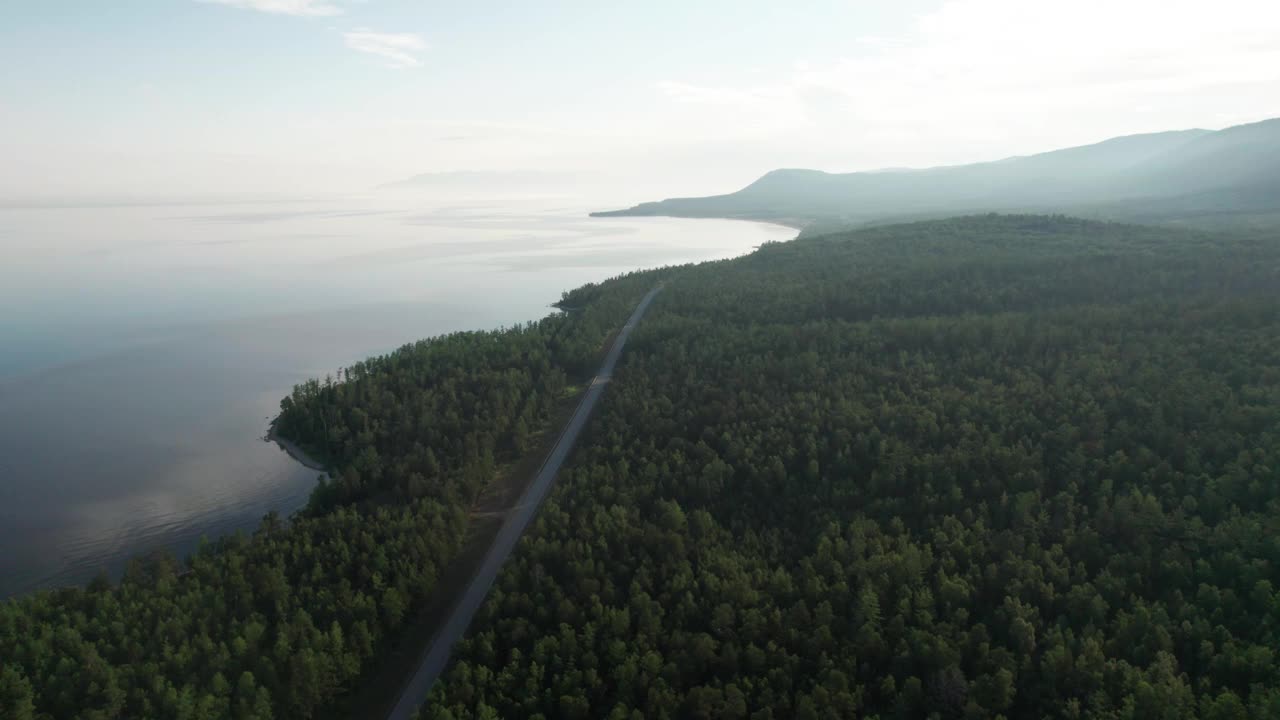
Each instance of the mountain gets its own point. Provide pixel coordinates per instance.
(1154, 176)
(1243, 156)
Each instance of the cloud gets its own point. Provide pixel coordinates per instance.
(754, 110)
(1072, 55)
(716, 95)
(975, 77)
(305, 8)
(399, 49)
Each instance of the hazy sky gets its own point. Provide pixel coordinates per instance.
(180, 97)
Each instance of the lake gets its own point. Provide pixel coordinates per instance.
(143, 349)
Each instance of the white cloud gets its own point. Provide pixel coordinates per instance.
(313, 8)
(399, 49)
(977, 77)
(753, 111)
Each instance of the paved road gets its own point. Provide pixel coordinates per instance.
(437, 655)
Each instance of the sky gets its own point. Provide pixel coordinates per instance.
(193, 98)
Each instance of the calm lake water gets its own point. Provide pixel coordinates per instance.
(143, 349)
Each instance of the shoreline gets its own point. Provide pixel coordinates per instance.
(792, 223)
(295, 452)
(306, 460)
(217, 521)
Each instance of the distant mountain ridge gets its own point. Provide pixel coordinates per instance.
(1235, 170)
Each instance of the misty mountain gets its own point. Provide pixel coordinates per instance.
(1168, 176)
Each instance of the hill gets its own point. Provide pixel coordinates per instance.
(1154, 177)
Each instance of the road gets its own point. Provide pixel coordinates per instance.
(437, 654)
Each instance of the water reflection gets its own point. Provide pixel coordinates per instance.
(142, 350)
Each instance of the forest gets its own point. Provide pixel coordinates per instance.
(279, 623)
(992, 466)
(978, 468)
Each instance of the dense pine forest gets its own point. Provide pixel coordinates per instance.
(278, 624)
(988, 467)
(1015, 466)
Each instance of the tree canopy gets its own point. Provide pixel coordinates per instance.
(280, 623)
(986, 467)
(995, 466)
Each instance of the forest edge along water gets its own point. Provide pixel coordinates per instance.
(928, 339)
(294, 451)
(194, 358)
